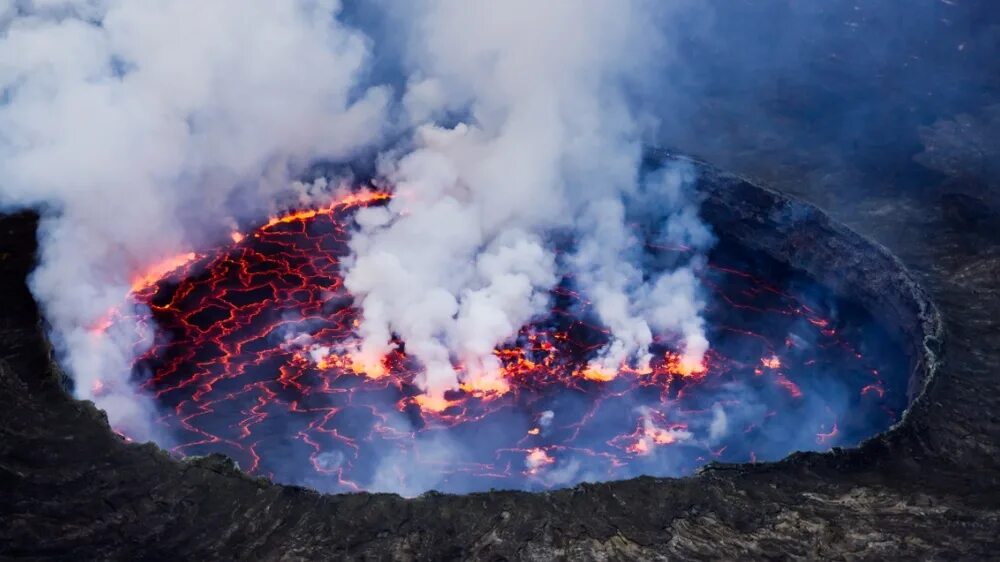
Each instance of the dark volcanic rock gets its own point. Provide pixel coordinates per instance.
(928, 488)
(964, 146)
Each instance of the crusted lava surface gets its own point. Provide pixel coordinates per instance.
(252, 359)
(71, 488)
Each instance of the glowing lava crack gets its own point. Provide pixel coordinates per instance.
(247, 361)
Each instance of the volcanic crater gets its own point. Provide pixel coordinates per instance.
(853, 292)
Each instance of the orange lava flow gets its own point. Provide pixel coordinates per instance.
(362, 198)
(158, 270)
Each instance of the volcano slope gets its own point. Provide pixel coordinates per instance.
(72, 489)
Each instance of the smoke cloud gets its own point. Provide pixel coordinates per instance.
(546, 140)
(142, 130)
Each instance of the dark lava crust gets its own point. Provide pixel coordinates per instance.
(928, 488)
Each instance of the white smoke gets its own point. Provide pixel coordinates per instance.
(133, 124)
(139, 128)
(548, 141)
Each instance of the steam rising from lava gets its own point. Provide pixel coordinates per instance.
(145, 132)
(549, 145)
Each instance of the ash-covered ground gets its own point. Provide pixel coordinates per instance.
(919, 181)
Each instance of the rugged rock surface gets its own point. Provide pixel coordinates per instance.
(965, 146)
(928, 488)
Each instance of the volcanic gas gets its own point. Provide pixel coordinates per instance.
(251, 358)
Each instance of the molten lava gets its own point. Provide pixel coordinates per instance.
(250, 359)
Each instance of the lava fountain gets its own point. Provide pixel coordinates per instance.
(248, 359)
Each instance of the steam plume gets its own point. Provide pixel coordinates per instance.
(132, 125)
(547, 141)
